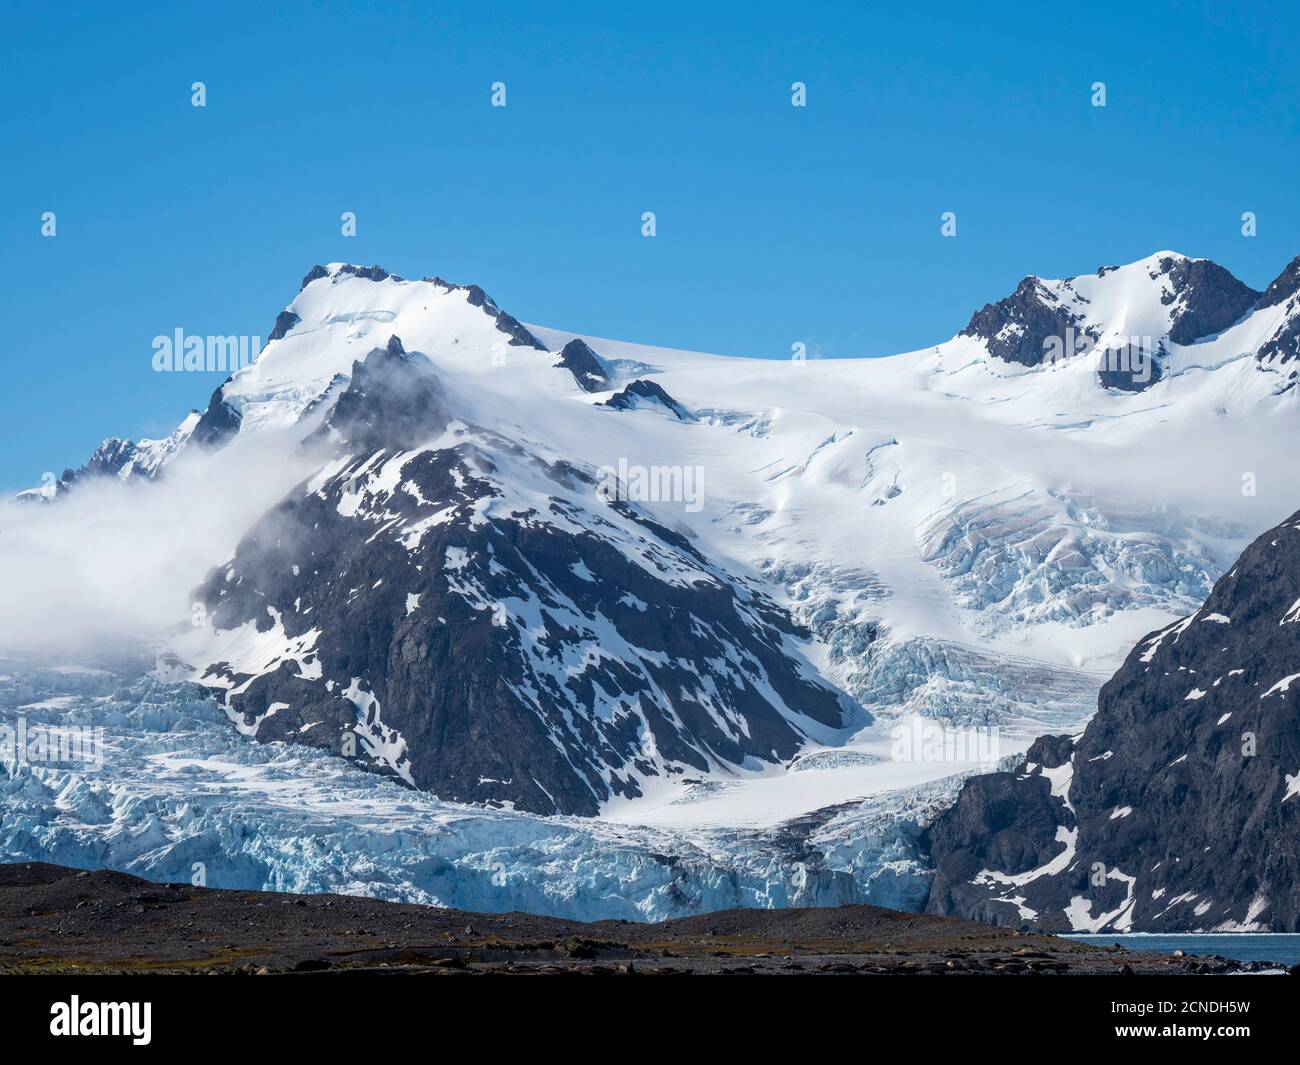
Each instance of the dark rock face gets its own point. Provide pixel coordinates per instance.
(1131, 371)
(482, 623)
(370, 273)
(314, 274)
(394, 400)
(1284, 345)
(514, 329)
(1017, 329)
(1129, 380)
(1209, 298)
(641, 393)
(1008, 822)
(284, 321)
(1179, 806)
(1284, 286)
(585, 365)
(220, 421)
(109, 459)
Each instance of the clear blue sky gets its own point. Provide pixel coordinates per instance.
(775, 224)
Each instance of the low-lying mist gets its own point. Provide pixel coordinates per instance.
(112, 562)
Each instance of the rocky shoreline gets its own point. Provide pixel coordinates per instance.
(67, 921)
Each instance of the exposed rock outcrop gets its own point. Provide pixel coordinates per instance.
(1178, 808)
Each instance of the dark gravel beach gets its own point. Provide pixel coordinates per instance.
(59, 920)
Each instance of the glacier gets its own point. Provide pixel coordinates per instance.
(181, 795)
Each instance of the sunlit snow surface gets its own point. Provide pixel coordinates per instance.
(180, 790)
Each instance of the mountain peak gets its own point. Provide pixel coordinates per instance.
(1017, 328)
(1163, 256)
(339, 271)
(1207, 298)
(1165, 296)
(1284, 286)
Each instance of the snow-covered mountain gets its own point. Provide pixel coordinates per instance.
(585, 576)
(488, 625)
(124, 459)
(1179, 806)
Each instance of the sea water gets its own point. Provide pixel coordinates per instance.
(1239, 946)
